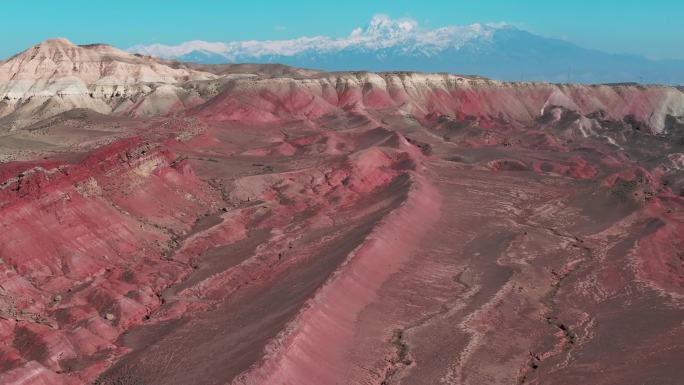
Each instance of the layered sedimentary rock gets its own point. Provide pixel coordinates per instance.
(487, 102)
(344, 228)
(56, 76)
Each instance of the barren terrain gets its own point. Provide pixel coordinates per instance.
(167, 223)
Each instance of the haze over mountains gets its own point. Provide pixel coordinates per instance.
(499, 51)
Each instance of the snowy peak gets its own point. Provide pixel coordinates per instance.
(499, 51)
(405, 35)
(381, 25)
(382, 32)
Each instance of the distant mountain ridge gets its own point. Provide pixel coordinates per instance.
(57, 76)
(497, 51)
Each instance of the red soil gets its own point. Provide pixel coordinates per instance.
(355, 229)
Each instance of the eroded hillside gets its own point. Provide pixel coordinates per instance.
(294, 227)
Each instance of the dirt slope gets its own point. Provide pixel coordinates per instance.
(347, 228)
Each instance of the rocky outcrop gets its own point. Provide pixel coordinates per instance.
(103, 227)
(58, 67)
(428, 96)
(56, 76)
(324, 228)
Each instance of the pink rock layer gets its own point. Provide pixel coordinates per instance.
(356, 228)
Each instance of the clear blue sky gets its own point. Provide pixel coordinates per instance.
(654, 28)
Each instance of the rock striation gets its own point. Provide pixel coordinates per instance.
(56, 76)
(268, 225)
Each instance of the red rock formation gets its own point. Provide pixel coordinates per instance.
(353, 228)
(421, 95)
(82, 249)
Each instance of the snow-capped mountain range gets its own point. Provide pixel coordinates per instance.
(498, 51)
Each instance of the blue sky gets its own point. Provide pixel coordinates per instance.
(652, 28)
